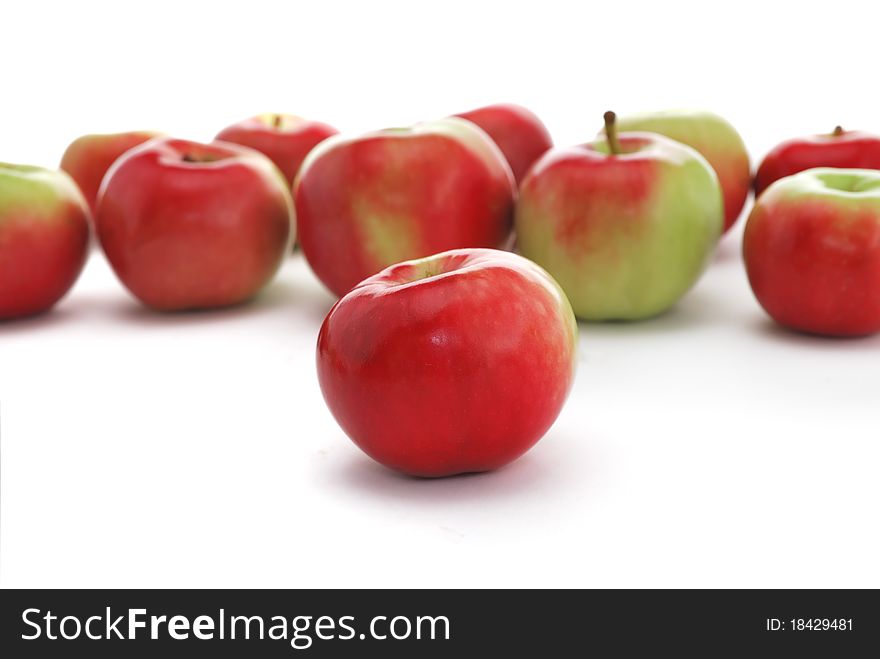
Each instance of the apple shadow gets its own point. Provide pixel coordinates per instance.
(39, 321)
(537, 470)
(766, 328)
(696, 310)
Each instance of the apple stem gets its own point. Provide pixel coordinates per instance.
(277, 120)
(838, 131)
(611, 132)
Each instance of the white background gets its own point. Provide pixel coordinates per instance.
(703, 448)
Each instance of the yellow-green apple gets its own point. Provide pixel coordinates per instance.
(188, 225)
(89, 157)
(626, 224)
(713, 137)
(812, 251)
(458, 362)
(850, 149)
(363, 203)
(44, 236)
(285, 138)
(518, 132)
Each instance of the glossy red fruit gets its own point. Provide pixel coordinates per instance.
(188, 225)
(518, 132)
(455, 363)
(286, 139)
(812, 251)
(363, 203)
(88, 158)
(44, 235)
(840, 148)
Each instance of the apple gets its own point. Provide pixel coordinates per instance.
(715, 139)
(363, 203)
(839, 148)
(285, 138)
(89, 157)
(44, 237)
(190, 226)
(812, 251)
(517, 131)
(626, 224)
(458, 362)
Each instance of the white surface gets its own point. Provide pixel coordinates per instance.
(704, 448)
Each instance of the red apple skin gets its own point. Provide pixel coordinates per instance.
(813, 265)
(191, 226)
(88, 158)
(846, 149)
(455, 363)
(44, 237)
(285, 139)
(518, 132)
(364, 203)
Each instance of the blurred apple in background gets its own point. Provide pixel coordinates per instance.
(455, 363)
(812, 251)
(189, 226)
(44, 236)
(517, 131)
(839, 148)
(363, 203)
(626, 225)
(714, 138)
(88, 158)
(285, 138)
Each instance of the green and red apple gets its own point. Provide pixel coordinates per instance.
(88, 158)
(626, 224)
(44, 236)
(366, 202)
(714, 138)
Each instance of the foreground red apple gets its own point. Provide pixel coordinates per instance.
(517, 131)
(840, 148)
(812, 251)
(188, 225)
(286, 139)
(363, 203)
(44, 234)
(88, 158)
(455, 363)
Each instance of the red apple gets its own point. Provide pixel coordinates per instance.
(455, 363)
(363, 203)
(286, 139)
(812, 251)
(840, 148)
(517, 131)
(188, 225)
(89, 157)
(44, 235)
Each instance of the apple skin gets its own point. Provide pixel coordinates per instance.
(518, 132)
(624, 235)
(44, 238)
(285, 138)
(715, 139)
(454, 363)
(88, 158)
(363, 203)
(192, 226)
(843, 149)
(812, 251)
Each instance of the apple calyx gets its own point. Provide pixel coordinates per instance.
(277, 121)
(611, 133)
(838, 131)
